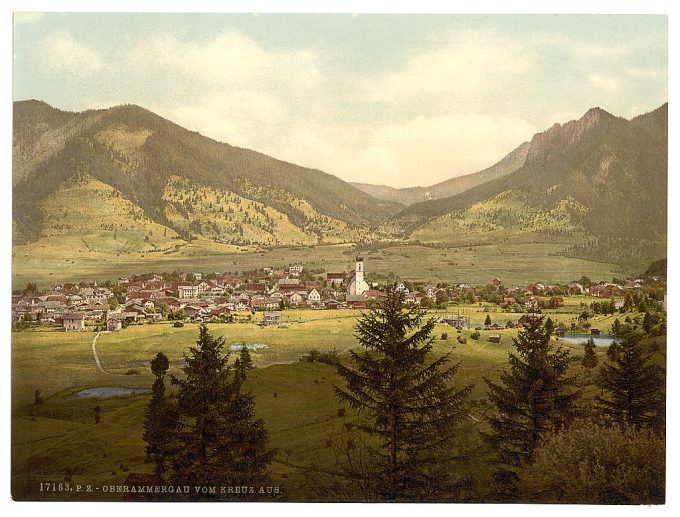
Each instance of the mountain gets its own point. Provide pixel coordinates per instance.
(162, 174)
(599, 182)
(408, 196)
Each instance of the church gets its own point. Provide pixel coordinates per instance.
(357, 284)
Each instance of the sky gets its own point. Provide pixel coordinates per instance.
(400, 100)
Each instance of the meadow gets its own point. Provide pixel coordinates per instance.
(295, 398)
(68, 260)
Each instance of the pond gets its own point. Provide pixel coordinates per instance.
(110, 391)
(255, 346)
(580, 339)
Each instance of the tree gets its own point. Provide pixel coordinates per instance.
(38, 398)
(647, 323)
(533, 397)
(487, 321)
(632, 384)
(31, 288)
(409, 407)
(219, 442)
(242, 364)
(549, 326)
(160, 418)
(589, 358)
(97, 410)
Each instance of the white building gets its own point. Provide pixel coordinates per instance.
(357, 284)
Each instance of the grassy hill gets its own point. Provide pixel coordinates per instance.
(137, 153)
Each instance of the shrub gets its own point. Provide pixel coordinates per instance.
(594, 463)
(445, 336)
(475, 335)
(132, 371)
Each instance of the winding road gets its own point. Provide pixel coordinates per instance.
(94, 352)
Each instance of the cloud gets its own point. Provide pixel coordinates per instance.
(644, 73)
(423, 150)
(241, 118)
(59, 50)
(227, 59)
(463, 65)
(24, 18)
(591, 52)
(606, 83)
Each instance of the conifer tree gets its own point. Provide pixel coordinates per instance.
(242, 364)
(534, 396)
(589, 358)
(408, 405)
(549, 326)
(631, 383)
(159, 421)
(219, 441)
(487, 321)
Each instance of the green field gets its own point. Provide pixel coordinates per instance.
(46, 262)
(60, 434)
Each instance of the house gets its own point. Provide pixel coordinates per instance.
(356, 301)
(271, 319)
(332, 304)
(74, 321)
(374, 294)
(525, 320)
(457, 321)
(313, 297)
(114, 323)
(495, 338)
(594, 332)
(335, 279)
(497, 282)
(295, 270)
(556, 301)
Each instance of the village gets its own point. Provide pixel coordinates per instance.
(224, 297)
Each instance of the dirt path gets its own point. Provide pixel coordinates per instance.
(94, 352)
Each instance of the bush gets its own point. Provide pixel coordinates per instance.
(462, 340)
(593, 463)
(132, 371)
(315, 356)
(475, 335)
(445, 336)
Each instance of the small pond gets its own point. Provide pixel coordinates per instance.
(580, 339)
(110, 391)
(255, 346)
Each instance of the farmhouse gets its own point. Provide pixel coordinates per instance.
(313, 297)
(74, 321)
(271, 319)
(335, 279)
(495, 338)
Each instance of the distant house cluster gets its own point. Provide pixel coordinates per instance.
(199, 297)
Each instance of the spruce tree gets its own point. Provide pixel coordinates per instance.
(533, 397)
(487, 321)
(409, 408)
(219, 441)
(589, 358)
(549, 326)
(159, 421)
(632, 385)
(242, 364)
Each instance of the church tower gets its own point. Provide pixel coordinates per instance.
(358, 285)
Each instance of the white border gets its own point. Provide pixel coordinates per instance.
(330, 6)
